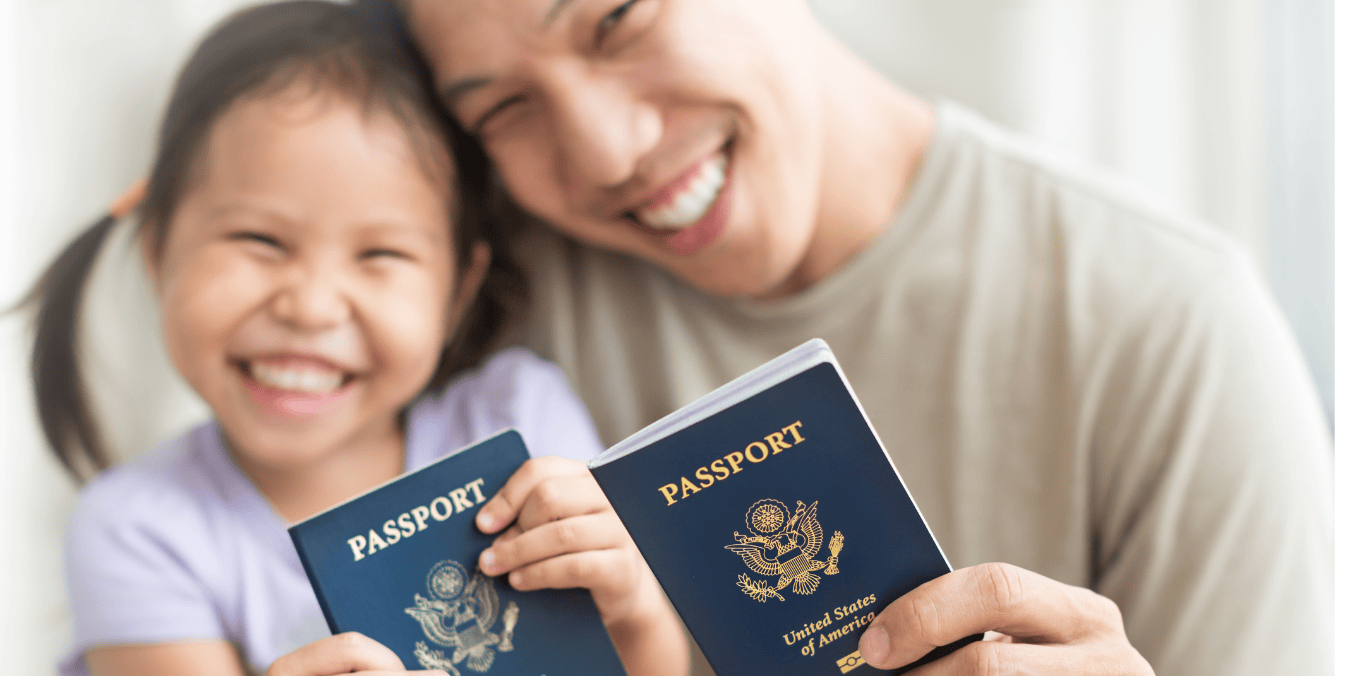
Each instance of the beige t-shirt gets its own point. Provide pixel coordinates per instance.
(1068, 378)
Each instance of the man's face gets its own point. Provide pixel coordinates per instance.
(684, 132)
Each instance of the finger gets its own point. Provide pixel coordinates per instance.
(990, 597)
(598, 570)
(510, 533)
(562, 497)
(339, 654)
(602, 530)
(989, 658)
(503, 507)
(401, 672)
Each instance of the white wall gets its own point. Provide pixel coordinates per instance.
(1171, 92)
(1343, 232)
(82, 86)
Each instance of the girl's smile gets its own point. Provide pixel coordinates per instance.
(293, 385)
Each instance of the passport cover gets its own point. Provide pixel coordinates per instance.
(778, 526)
(398, 564)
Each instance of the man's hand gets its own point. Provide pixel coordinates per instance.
(1050, 628)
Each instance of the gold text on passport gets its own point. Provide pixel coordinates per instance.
(405, 525)
(728, 465)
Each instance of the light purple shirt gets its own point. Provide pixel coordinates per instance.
(181, 546)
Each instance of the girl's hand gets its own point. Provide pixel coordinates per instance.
(342, 654)
(567, 535)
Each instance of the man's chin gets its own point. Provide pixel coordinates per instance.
(734, 281)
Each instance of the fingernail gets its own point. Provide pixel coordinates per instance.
(874, 645)
(487, 561)
(514, 579)
(485, 521)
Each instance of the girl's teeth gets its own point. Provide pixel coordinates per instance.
(690, 205)
(307, 380)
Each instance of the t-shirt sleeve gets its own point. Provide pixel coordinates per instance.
(539, 402)
(1215, 536)
(133, 568)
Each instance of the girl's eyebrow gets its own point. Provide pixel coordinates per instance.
(379, 226)
(385, 227)
(234, 207)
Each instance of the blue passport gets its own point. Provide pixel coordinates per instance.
(398, 564)
(774, 520)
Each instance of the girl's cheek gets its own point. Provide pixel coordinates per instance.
(409, 320)
(209, 295)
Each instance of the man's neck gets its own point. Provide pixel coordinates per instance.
(875, 137)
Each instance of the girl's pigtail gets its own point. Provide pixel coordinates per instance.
(64, 409)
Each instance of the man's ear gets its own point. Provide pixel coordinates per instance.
(468, 281)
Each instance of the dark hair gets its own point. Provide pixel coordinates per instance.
(358, 50)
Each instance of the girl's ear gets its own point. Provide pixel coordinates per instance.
(123, 206)
(149, 253)
(467, 285)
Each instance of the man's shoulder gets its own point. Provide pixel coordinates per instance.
(1068, 212)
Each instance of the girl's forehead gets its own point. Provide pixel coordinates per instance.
(302, 126)
(322, 158)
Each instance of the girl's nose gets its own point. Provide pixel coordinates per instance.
(311, 298)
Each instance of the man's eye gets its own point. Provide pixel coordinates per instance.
(477, 127)
(612, 18)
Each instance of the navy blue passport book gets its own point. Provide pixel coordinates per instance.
(398, 564)
(774, 520)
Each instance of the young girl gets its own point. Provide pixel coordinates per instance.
(324, 290)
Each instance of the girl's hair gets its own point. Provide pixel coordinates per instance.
(355, 50)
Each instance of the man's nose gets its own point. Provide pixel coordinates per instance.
(311, 298)
(604, 127)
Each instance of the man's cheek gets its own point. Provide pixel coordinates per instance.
(537, 177)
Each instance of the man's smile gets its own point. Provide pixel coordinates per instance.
(684, 201)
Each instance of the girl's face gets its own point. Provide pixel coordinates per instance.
(306, 280)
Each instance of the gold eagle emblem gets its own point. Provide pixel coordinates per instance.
(460, 614)
(783, 545)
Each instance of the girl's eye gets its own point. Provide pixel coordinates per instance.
(612, 19)
(384, 253)
(267, 240)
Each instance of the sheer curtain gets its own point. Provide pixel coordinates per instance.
(1213, 106)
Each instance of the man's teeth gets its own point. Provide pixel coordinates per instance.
(687, 207)
(306, 380)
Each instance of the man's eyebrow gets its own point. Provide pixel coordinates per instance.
(454, 92)
(558, 7)
(457, 90)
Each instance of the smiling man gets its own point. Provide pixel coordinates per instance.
(1094, 392)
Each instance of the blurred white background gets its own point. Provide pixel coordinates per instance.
(1221, 108)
